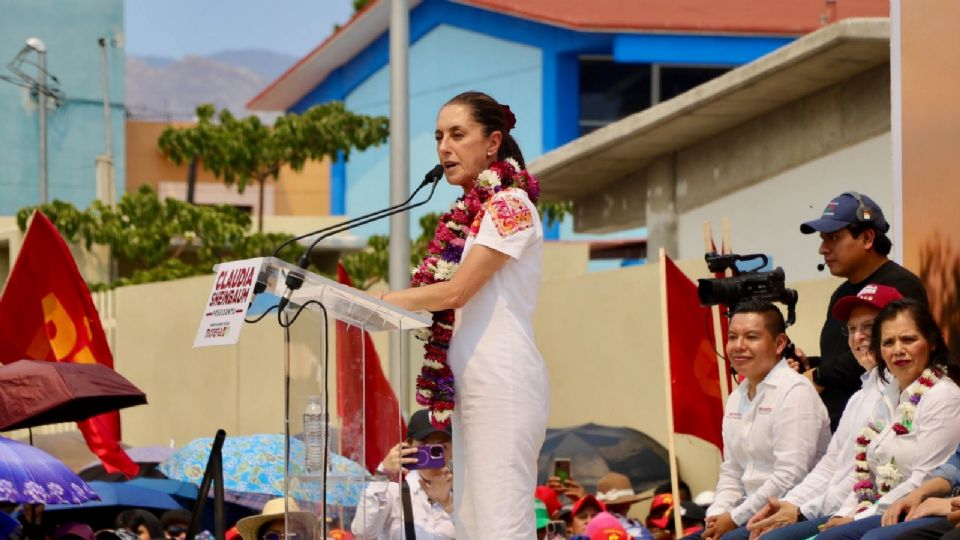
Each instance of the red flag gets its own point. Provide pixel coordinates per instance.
(365, 400)
(694, 377)
(46, 313)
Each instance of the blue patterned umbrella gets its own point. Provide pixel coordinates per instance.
(30, 475)
(254, 465)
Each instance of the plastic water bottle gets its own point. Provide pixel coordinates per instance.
(314, 419)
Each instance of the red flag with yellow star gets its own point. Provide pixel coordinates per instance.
(46, 313)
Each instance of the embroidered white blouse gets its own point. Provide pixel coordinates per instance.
(934, 438)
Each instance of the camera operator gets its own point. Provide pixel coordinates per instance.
(854, 245)
(431, 490)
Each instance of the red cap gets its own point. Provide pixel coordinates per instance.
(872, 295)
(660, 511)
(585, 500)
(549, 498)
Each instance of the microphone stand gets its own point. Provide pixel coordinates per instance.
(295, 279)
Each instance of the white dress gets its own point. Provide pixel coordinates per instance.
(501, 382)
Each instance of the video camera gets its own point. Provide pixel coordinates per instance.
(745, 285)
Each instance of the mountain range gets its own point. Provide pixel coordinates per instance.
(159, 88)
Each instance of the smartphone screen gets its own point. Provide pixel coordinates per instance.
(561, 469)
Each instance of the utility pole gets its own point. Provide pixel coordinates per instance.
(106, 190)
(37, 45)
(399, 181)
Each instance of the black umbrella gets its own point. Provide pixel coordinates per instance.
(595, 450)
(39, 392)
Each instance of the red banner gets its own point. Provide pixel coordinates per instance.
(46, 313)
(694, 376)
(365, 401)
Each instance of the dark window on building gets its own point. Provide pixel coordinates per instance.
(610, 91)
(675, 80)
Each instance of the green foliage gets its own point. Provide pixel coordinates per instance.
(161, 240)
(244, 150)
(554, 212)
(372, 264)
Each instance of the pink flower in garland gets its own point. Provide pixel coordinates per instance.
(435, 385)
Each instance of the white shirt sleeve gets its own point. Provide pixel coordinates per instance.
(795, 447)
(729, 484)
(810, 494)
(510, 223)
(374, 510)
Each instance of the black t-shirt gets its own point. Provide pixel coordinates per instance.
(838, 372)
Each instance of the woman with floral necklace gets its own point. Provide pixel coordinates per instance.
(481, 278)
(918, 429)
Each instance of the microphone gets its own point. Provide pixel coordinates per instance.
(432, 176)
(295, 279)
(820, 267)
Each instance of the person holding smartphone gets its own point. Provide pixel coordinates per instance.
(431, 495)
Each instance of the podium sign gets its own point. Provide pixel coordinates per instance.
(227, 305)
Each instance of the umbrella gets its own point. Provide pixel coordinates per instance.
(147, 457)
(38, 392)
(122, 495)
(30, 475)
(595, 450)
(254, 465)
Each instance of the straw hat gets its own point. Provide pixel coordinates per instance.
(615, 488)
(248, 526)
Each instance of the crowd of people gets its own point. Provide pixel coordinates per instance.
(859, 442)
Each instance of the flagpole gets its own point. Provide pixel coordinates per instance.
(668, 392)
(709, 247)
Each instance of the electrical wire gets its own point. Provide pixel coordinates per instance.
(262, 315)
(325, 361)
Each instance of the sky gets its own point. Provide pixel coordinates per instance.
(174, 28)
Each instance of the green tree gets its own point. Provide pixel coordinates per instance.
(244, 150)
(159, 240)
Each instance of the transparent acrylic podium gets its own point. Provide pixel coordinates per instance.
(364, 417)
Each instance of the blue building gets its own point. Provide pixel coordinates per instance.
(70, 31)
(564, 67)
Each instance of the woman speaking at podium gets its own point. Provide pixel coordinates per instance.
(481, 278)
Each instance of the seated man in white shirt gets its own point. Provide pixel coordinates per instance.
(775, 426)
(431, 490)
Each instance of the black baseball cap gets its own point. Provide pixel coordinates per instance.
(420, 427)
(843, 210)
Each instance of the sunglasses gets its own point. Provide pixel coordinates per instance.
(176, 530)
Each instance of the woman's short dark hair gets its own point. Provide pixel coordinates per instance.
(939, 353)
(492, 116)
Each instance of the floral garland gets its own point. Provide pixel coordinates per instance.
(435, 386)
(888, 475)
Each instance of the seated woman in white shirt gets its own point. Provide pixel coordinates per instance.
(431, 490)
(799, 514)
(920, 431)
(775, 426)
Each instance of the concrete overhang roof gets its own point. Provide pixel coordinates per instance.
(814, 62)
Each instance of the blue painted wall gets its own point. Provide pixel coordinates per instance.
(75, 134)
(435, 77)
